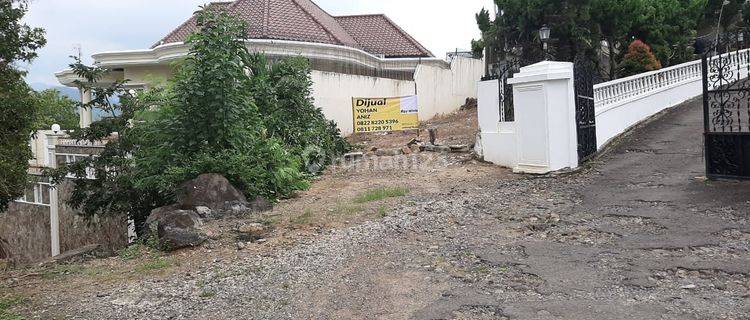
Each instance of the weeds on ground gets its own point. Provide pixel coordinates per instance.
(7, 303)
(139, 248)
(346, 209)
(304, 218)
(381, 193)
(156, 262)
(207, 294)
(382, 212)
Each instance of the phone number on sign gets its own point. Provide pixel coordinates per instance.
(377, 122)
(375, 128)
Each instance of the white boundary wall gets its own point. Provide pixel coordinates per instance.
(623, 103)
(439, 90)
(441, 87)
(619, 105)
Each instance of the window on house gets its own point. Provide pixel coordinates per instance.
(37, 193)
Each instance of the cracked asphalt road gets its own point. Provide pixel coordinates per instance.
(635, 235)
(658, 243)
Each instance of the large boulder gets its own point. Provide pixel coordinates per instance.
(176, 228)
(213, 196)
(210, 190)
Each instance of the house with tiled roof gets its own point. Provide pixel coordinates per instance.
(351, 56)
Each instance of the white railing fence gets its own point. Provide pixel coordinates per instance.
(648, 83)
(623, 103)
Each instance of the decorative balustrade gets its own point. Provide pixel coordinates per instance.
(619, 90)
(644, 84)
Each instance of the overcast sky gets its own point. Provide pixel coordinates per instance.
(107, 25)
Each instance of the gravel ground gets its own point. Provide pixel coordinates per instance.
(633, 236)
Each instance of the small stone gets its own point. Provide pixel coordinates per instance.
(240, 246)
(253, 228)
(462, 148)
(251, 232)
(354, 156)
(203, 211)
(688, 287)
(406, 150)
(388, 153)
(213, 235)
(436, 148)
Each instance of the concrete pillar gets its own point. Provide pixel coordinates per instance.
(544, 102)
(54, 202)
(86, 115)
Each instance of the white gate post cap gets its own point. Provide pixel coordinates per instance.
(543, 71)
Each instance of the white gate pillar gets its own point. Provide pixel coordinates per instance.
(86, 115)
(544, 102)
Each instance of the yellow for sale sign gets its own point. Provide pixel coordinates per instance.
(385, 114)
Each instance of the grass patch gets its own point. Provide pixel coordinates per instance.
(207, 294)
(380, 194)
(155, 263)
(269, 220)
(131, 252)
(346, 209)
(7, 303)
(304, 218)
(382, 212)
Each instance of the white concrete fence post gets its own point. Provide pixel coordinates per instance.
(54, 200)
(542, 138)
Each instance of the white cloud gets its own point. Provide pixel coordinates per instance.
(106, 25)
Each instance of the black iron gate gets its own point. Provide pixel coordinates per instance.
(504, 71)
(726, 108)
(585, 72)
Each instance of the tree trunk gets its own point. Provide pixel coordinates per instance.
(612, 62)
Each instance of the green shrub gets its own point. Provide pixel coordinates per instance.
(214, 117)
(282, 91)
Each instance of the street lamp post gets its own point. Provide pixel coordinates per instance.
(718, 24)
(544, 33)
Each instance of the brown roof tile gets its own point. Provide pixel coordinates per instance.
(378, 34)
(303, 20)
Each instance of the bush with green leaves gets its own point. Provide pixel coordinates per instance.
(224, 112)
(282, 92)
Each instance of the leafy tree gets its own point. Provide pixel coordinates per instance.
(55, 108)
(18, 42)
(669, 27)
(514, 32)
(208, 120)
(580, 26)
(639, 59)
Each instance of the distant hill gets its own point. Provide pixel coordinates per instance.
(67, 91)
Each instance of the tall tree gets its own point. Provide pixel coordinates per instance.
(55, 108)
(579, 27)
(206, 122)
(18, 43)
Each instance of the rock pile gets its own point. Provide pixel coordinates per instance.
(207, 197)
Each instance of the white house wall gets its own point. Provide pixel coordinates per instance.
(439, 90)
